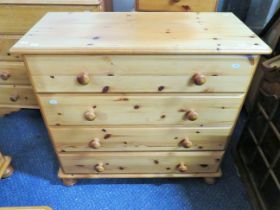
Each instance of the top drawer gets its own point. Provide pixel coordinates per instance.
(134, 73)
(177, 5)
(19, 18)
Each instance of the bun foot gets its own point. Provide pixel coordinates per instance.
(69, 182)
(209, 180)
(8, 172)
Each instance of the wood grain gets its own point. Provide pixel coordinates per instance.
(165, 73)
(18, 19)
(24, 94)
(49, 2)
(140, 95)
(2, 160)
(6, 160)
(63, 175)
(138, 138)
(176, 6)
(140, 33)
(6, 42)
(7, 110)
(213, 110)
(27, 208)
(140, 162)
(16, 71)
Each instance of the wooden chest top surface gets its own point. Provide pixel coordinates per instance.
(140, 33)
(56, 2)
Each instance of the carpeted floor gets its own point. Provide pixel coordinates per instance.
(24, 137)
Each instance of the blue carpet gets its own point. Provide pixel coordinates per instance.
(24, 137)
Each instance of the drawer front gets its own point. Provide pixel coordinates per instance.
(140, 162)
(203, 110)
(177, 6)
(80, 139)
(141, 73)
(22, 96)
(6, 42)
(13, 73)
(18, 19)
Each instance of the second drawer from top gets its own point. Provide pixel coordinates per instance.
(143, 109)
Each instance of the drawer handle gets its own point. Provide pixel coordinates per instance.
(5, 75)
(83, 78)
(182, 167)
(186, 143)
(95, 143)
(199, 79)
(191, 115)
(14, 98)
(174, 1)
(90, 114)
(99, 167)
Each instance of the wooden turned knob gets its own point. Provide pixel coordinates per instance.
(182, 167)
(95, 143)
(199, 79)
(99, 167)
(14, 97)
(83, 78)
(186, 143)
(90, 115)
(191, 115)
(5, 75)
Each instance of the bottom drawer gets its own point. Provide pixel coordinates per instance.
(22, 96)
(140, 162)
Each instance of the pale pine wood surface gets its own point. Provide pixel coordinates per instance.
(18, 19)
(157, 65)
(141, 73)
(6, 42)
(1, 159)
(26, 97)
(63, 175)
(142, 109)
(6, 160)
(138, 138)
(64, 2)
(17, 71)
(176, 6)
(140, 162)
(7, 110)
(130, 84)
(137, 133)
(140, 33)
(27, 208)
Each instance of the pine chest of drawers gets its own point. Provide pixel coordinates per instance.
(16, 18)
(140, 94)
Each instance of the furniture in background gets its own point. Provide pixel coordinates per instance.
(152, 103)
(16, 18)
(108, 5)
(259, 147)
(26, 208)
(6, 169)
(176, 5)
